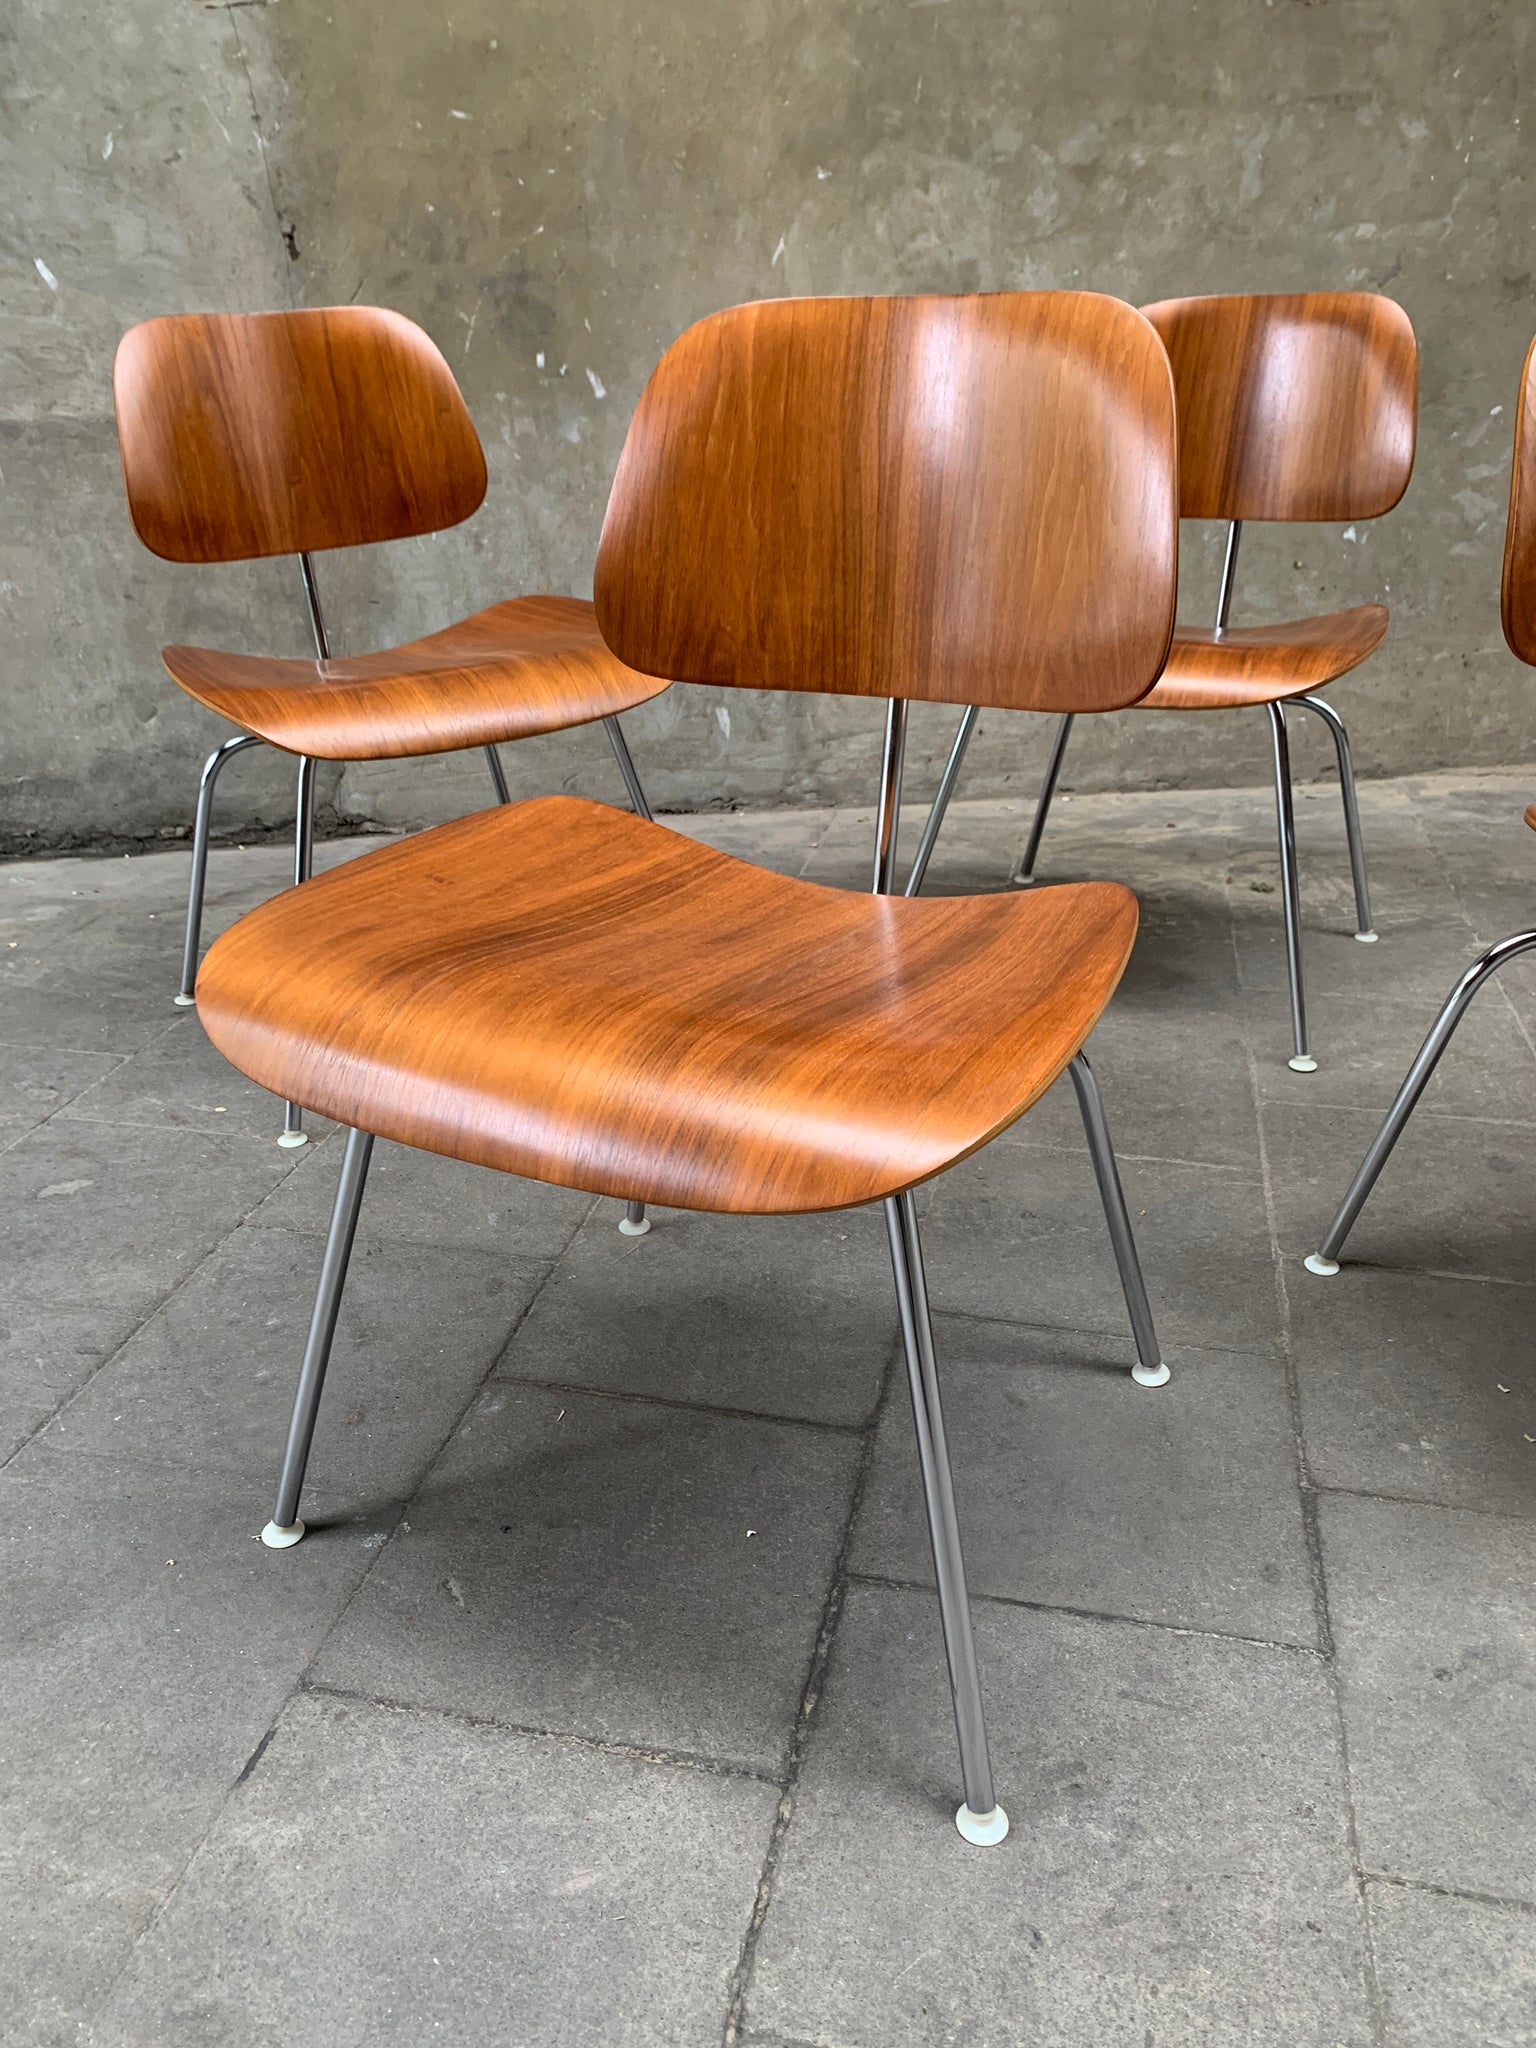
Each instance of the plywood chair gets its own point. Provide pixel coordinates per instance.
(245, 435)
(959, 500)
(1518, 609)
(1301, 406)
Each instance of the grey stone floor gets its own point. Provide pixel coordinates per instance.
(605, 1702)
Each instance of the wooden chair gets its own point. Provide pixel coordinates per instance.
(1294, 407)
(1518, 609)
(966, 499)
(245, 435)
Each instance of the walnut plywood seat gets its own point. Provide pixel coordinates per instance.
(1292, 406)
(247, 435)
(934, 498)
(533, 665)
(642, 1016)
(1215, 669)
(1518, 610)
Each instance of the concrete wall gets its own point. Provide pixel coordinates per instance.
(556, 188)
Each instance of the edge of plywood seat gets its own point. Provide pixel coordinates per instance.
(563, 991)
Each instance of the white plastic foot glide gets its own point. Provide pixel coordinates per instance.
(185, 1002)
(1151, 1375)
(1316, 1263)
(276, 1537)
(1367, 938)
(1302, 1063)
(983, 1829)
(292, 1140)
(634, 1229)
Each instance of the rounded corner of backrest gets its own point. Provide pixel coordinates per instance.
(628, 516)
(1517, 586)
(136, 363)
(408, 338)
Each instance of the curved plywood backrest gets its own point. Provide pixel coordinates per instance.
(247, 434)
(1300, 405)
(1519, 593)
(970, 500)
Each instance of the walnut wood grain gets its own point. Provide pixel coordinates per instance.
(1519, 587)
(969, 500)
(535, 664)
(1298, 405)
(563, 991)
(248, 434)
(1207, 671)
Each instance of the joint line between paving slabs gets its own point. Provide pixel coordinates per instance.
(162, 1905)
(62, 1408)
(623, 1394)
(635, 1752)
(805, 1717)
(1451, 1891)
(1312, 1538)
(1014, 1600)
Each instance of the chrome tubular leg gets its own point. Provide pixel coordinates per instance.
(980, 1819)
(212, 768)
(1285, 816)
(888, 817)
(621, 754)
(1364, 932)
(1025, 871)
(635, 1222)
(294, 1133)
(1149, 1369)
(498, 776)
(285, 1528)
(1326, 1258)
(946, 790)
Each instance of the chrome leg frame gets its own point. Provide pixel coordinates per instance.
(285, 1528)
(946, 790)
(1285, 816)
(498, 776)
(1325, 711)
(1326, 1258)
(635, 1223)
(621, 754)
(1149, 1369)
(294, 1133)
(888, 816)
(980, 1819)
(212, 769)
(1025, 871)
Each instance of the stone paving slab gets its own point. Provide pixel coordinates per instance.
(1437, 1662)
(148, 1644)
(1455, 1973)
(1078, 1488)
(777, 1315)
(1420, 1387)
(107, 1216)
(1177, 1865)
(207, 1384)
(614, 1569)
(1018, 1232)
(387, 1879)
(1450, 1199)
